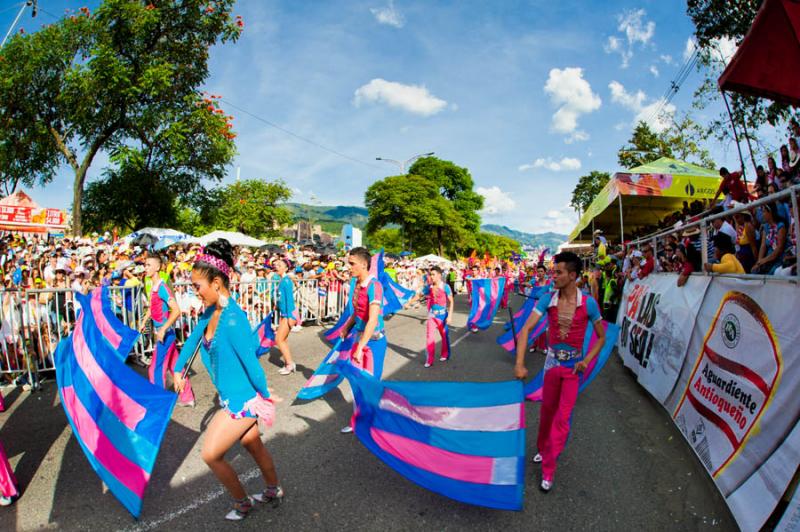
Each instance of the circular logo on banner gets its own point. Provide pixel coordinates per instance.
(731, 331)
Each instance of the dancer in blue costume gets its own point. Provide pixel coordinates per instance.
(228, 351)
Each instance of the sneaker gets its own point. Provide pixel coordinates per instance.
(5, 501)
(240, 509)
(442, 359)
(272, 495)
(428, 364)
(346, 430)
(189, 404)
(531, 350)
(537, 458)
(297, 328)
(288, 369)
(546, 485)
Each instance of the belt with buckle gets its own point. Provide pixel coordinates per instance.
(563, 355)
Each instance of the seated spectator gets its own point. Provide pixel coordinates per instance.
(725, 255)
(773, 241)
(687, 257)
(649, 263)
(746, 240)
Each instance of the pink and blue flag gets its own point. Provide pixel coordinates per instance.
(395, 296)
(486, 296)
(117, 416)
(265, 336)
(327, 377)
(533, 389)
(506, 340)
(121, 337)
(462, 440)
(333, 333)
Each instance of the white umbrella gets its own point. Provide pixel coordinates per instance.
(236, 239)
(432, 259)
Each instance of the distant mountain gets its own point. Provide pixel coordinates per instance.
(333, 217)
(550, 240)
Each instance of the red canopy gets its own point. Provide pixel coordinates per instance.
(766, 63)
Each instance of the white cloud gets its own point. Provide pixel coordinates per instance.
(637, 31)
(412, 98)
(559, 220)
(724, 49)
(613, 44)
(577, 136)
(566, 163)
(643, 111)
(553, 214)
(654, 70)
(573, 94)
(688, 50)
(495, 200)
(667, 59)
(388, 15)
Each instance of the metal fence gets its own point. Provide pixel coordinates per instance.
(33, 322)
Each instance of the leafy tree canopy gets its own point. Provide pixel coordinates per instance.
(588, 187)
(125, 77)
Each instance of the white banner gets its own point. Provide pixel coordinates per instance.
(736, 400)
(656, 319)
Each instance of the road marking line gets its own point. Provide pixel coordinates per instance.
(207, 498)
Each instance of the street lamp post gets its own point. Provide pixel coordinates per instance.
(404, 164)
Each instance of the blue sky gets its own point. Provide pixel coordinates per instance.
(528, 95)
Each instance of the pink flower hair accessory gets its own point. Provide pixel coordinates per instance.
(211, 260)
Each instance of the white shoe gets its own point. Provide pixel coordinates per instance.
(297, 328)
(240, 510)
(274, 498)
(442, 359)
(531, 350)
(346, 430)
(537, 458)
(5, 501)
(288, 369)
(546, 485)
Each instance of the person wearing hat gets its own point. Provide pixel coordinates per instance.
(164, 311)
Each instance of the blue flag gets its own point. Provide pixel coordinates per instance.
(486, 296)
(459, 439)
(117, 416)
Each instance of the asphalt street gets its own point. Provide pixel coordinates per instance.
(626, 467)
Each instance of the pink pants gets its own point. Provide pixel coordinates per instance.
(164, 358)
(559, 392)
(8, 484)
(434, 325)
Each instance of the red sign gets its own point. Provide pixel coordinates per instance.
(32, 216)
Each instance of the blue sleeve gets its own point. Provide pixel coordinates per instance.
(244, 345)
(448, 292)
(375, 293)
(164, 293)
(426, 290)
(544, 301)
(592, 309)
(191, 343)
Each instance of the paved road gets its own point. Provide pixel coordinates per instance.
(625, 467)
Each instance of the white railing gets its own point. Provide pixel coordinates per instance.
(32, 322)
(704, 222)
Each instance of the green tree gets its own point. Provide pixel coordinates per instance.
(643, 147)
(588, 187)
(253, 207)
(149, 175)
(681, 140)
(108, 79)
(389, 239)
(427, 220)
(496, 245)
(455, 185)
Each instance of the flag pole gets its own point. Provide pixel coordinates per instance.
(513, 327)
(188, 364)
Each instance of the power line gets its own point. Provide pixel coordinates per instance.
(299, 137)
(674, 86)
